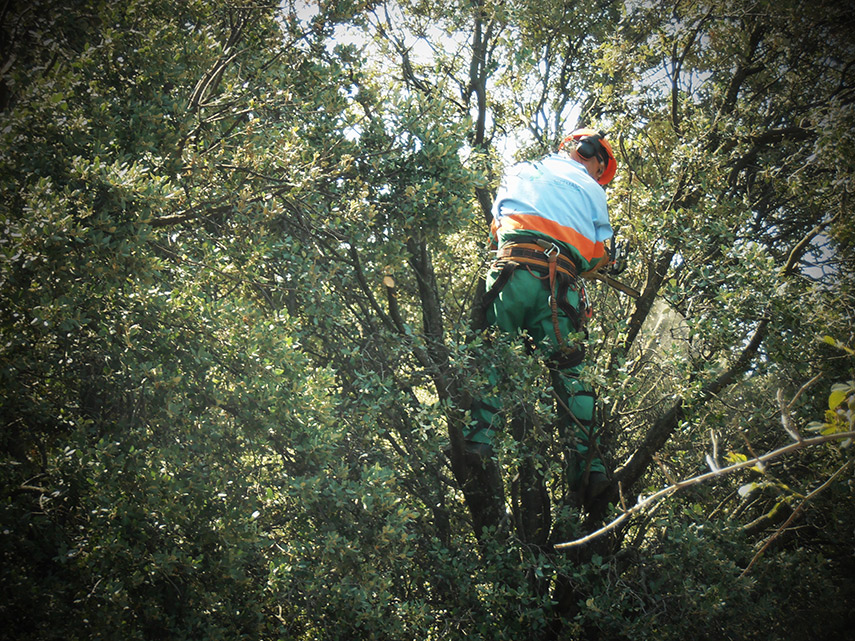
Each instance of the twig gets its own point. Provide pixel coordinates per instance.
(802, 390)
(798, 250)
(786, 420)
(664, 469)
(749, 448)
(793, 516)
(644, 503)
(712, 460)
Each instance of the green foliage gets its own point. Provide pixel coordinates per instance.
(237, 261)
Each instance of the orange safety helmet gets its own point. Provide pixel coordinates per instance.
(589, 143)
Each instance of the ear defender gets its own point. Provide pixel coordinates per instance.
(589, 143)
(590, 146)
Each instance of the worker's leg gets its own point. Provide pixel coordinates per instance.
(576, 403)
(576, 399)
(507, 312)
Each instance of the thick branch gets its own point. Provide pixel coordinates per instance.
(763, 141)
(478, 71)
(664, 427)
(422, 264)
(743, 71)
(655, 278)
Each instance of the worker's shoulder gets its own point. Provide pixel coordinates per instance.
(562, 167)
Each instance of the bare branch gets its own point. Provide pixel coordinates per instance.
(803, 389)
(793, 516)
(799, 250)
(712, 459)
(611, 282)
(664, 492)
(786, 420)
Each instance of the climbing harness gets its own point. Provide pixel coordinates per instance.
(541, 253)
(561, 274)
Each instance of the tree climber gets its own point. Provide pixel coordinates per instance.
(550, 222)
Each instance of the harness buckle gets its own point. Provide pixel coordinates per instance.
(550, 249)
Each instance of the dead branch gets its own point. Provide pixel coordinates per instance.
(664, 492)
(793, 516)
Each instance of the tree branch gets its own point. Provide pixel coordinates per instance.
(795, 513)
(664, 492)
(799, 250)
(655, 277)
(366, 290)
(665, 425)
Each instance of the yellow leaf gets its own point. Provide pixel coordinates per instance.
(836, 343)
(736, 457)
(836, 398)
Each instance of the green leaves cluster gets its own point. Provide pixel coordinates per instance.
(237, 262)
(840, 415)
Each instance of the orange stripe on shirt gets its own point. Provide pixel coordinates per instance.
(588, 248)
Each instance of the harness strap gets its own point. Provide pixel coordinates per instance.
(536, 254)
(561, 273)
(553, 299)
(544, 254)
(571, 312)
(508, 268)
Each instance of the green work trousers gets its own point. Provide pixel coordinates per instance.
(523, 304)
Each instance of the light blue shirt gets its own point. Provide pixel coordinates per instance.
(556, 196)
